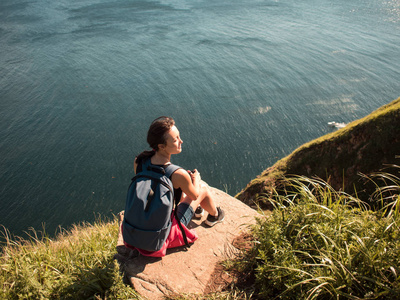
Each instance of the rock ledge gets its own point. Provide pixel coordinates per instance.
(189, 271)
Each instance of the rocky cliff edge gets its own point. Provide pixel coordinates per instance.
(190, 271)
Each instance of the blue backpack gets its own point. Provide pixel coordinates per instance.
(148, 209)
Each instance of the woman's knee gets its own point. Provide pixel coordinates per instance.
(204, 192)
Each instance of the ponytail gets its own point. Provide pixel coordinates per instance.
(144, 155)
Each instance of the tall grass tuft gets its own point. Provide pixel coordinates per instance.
(322, 244)
(78, 264)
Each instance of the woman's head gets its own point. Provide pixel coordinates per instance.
(164, 136)
(158, 131)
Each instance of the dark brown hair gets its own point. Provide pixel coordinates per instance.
(156, 135)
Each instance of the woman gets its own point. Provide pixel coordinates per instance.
(193, 194)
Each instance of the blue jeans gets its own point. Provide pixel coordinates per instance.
(184, 213)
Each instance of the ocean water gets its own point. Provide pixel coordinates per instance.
(247, 82)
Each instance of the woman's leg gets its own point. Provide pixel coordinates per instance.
(204, 200)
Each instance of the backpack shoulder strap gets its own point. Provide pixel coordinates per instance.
(170, 169)
(146, 165)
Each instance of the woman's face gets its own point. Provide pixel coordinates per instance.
(173, 144)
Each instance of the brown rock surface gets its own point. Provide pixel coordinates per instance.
(189, 271)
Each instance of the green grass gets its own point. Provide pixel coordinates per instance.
(322, 244)
(78, 264)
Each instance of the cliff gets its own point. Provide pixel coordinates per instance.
(364, 146)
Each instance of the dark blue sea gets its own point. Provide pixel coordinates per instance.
(247, 82)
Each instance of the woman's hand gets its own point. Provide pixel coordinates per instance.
(195, 175)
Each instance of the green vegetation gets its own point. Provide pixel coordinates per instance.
(322, 244)
(78, 264)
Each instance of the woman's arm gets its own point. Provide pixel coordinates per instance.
(187, 181)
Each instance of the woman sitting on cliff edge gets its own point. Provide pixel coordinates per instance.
(192, 194)
(163, 137)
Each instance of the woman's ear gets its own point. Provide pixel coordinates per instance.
(161, 146)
